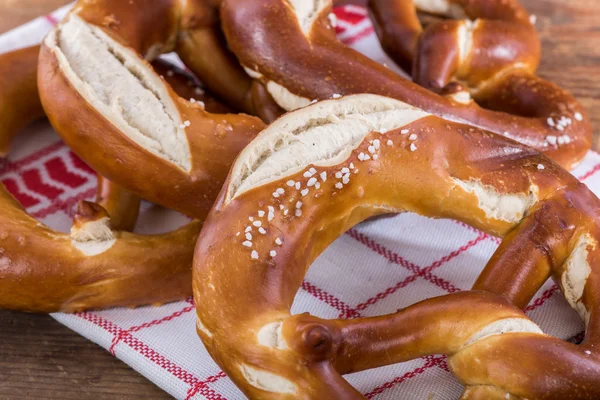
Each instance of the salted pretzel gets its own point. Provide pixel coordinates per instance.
(316, 172)
(291, 48)
(119, 116)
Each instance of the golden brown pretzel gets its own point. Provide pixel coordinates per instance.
(290, 47)
(94, 267)
(118, 115)
(316, 172)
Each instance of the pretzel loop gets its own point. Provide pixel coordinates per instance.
(318, 171)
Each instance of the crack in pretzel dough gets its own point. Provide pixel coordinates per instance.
(323, 134)
(444, 8)
(267, 381)
(465, 39)
(94, 237)
(271, 336)
(575, 275)
(505, 207)
(282, 96)
(307, 12)
(122, 87)
(502, 326)
(200, 326)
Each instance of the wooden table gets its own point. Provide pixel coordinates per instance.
(40, 358)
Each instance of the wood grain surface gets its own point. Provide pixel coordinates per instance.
(41, 359)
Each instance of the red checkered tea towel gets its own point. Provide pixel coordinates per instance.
(376, 268)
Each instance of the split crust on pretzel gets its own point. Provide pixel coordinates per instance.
(126, 122)
(291, 48)
(94, 267)
(316, 172)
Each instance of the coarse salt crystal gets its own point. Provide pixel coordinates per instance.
(304, 192)
(291, 183)
(278, 241)
(254, 255)
(540, 166)
(413, 147)
(272, 253)
(247, 243)
(311, 182)
(339, 185)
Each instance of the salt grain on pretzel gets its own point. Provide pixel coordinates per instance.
(548, 219)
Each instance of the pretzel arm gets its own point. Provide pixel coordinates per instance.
(94, 267)
(318, 66)
(315, 173)
(19, 101)
(398, 28)
(121, 205)
(202, 48)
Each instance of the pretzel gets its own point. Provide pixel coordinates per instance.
(115, 112)
(316, 172)
(291, 48)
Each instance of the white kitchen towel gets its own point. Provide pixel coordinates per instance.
(376, 268)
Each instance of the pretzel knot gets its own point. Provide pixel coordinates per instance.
(290, 47)
(318, 171)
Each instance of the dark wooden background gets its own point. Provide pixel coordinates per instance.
(40, 358)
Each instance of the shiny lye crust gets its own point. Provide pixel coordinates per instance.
(291, 48)
(316, 172)
(95, 267)
(118, 114)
